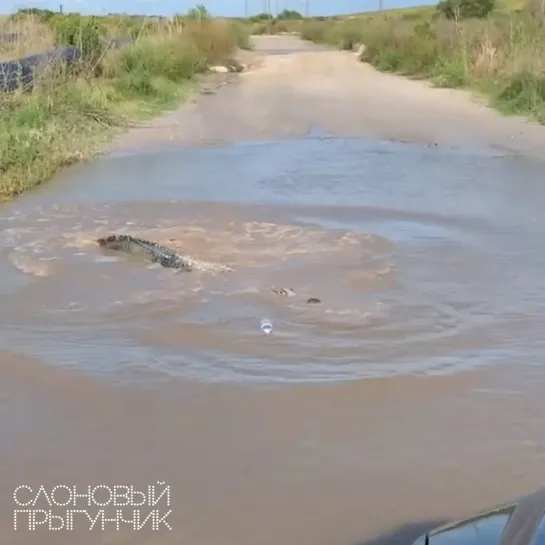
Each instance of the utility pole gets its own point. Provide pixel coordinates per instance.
(380, 6)
(246, 8)
(307, 8)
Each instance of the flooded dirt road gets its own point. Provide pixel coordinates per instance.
(409, 395)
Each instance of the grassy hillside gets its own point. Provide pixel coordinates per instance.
(500, 54)
(428, 11)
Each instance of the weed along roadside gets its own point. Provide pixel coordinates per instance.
(493, 48)
(127, 69)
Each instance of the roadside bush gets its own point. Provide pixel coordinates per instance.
(500, 54)
(260, 18)
(465, 9)
(317, 31)
(214, 39)
(86, 33)
(241, 32)
(68, 117)
(198, 13)
(142, 69)
(344, 34)
(289, 15)
(130, 27)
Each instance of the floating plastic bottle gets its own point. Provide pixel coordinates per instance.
(266, 326)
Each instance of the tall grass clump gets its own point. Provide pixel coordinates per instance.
(496, 49)
(72, 111)
(86, 33)
(24, 36)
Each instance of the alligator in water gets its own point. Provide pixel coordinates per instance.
(168, 258)
(152, 251)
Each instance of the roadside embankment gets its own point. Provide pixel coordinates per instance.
(500, 56)
(71, 110)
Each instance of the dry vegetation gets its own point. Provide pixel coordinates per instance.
(73, 110)
(34, 37)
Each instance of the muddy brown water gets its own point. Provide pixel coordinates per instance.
(411, 395)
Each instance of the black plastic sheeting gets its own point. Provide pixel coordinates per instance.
(20, 73)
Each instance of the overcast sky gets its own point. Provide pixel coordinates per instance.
(216, 7)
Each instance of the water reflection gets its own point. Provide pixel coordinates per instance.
(482, 530)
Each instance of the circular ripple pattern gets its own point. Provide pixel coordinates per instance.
(416, 271)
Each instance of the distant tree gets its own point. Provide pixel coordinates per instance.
(42, 14)
(261, 17)
(198, 13)
(466, 9)
(289, 14)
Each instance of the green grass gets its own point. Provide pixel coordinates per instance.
(70, 116)
(428, 11)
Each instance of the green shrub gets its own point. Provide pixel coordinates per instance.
(85, 33)
(289, 15)
(198, 13)
(315, 31)
(66, 118)
(465, 9)
(260, 18)
(498, 52)
(241, 32)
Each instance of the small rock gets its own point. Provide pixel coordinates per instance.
(219, 69)
(235, 66)
(231, 65)
(360, 50)
(288, 292)
(313, 301)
